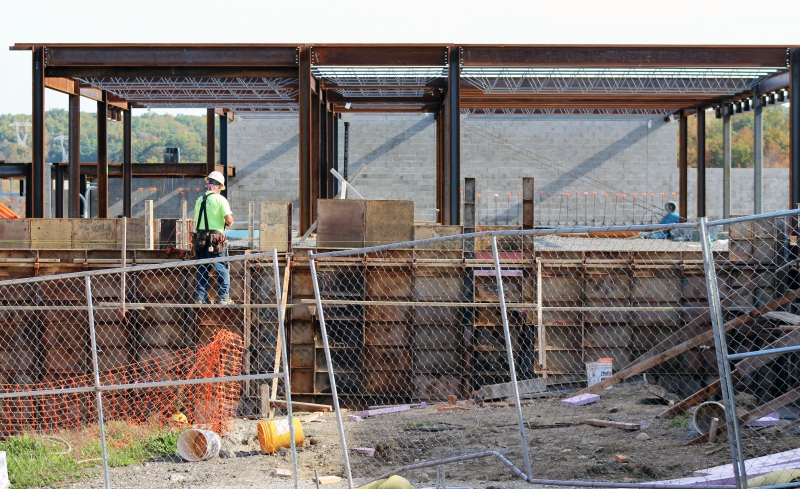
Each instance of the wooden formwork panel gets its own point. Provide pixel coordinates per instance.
(164, 286)
(440, 360)
(435, 386)
(515, 288)
(341, 223)
(344, 282)
(392, 285)
(488, 316)
(346, 383)
(346, 360)
(559, 318)
(160, 314)
(618, 336)
(15, 233)
(302, 380)
(302, 356)
(695, 286)
(693, 310)
(300, 310)
(18, 359)
(343, 312)
(65, 359)
(446, 286)
(490, 362)
(388, 313)
(109, 358)
(161, 334)
(602, 314)
(561, 287)
(302, 332)
(302, 284)
(393, 334)
(93, 234)
(111, 335)
(646, 338)
(275, 226)
(493, 338)
(220, 316)
(445, 315)
(388, 221)
(605, 286)
(662, 286)
(385, 382)
(343, 334)
(72, 335)
(740, 251)
(656, 318)
(207, 334)
(437, 336)
(738, 298)
(387, 358)
(562, 337)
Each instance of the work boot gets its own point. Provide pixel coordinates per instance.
(225, 302)
(202, 301)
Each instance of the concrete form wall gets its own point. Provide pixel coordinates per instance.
(565, 155)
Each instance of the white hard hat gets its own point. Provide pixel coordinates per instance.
(217, 177)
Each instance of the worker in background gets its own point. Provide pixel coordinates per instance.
(672, 217)
(212, 214)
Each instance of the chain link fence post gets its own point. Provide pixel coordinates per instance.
(510, 352)
(331, 376)
(721, 348)
(96, 373)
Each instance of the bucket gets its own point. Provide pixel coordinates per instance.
(274, 435)
(705, 413)
(599, 370)
(195, 445)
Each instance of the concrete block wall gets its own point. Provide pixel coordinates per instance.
(564, 155)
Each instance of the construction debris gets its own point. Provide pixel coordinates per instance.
(327, 479)
(612, 424)
(283, 472)
(580, 400)
(502, 391)
(387, 410)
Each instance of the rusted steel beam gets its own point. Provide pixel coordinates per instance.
(177, 71)
(775, 81)
(38, 148)
(440, 143)
(330, 161)
(316, 153)
(223, 147)
(323, 149)
(102, 160)
(622, 56)
(683, 166)
(170, 55)
(127, 164)
(305, 140)
(138, 170)
(454, 138)
(338, 98)
(74, 197)
(432, 84)
(211, 141)
(379, 55)
(701, 163)
(13, 170)
(377, 108)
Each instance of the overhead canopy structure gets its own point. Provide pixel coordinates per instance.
(319, 82)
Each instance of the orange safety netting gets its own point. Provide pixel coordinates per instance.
(7, 213)
(211, 405)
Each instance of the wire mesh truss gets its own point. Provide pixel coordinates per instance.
(105, 359)
(469, 347)
(239, 108)
(708, 81)
(571, 112)
(186, 89)
(359, 76)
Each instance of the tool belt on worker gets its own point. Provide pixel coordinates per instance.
(211, 240)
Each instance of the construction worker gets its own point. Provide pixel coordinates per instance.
(212, 214)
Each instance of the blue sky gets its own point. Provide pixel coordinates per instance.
(376, 21)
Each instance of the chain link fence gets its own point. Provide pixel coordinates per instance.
(107, 370)
(574, 355)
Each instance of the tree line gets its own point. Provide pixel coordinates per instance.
(150, 134)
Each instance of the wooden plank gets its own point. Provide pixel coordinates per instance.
(386, 410)
(688, 345)
(612, 424)
(786, 317)
(303, 406)
(689, 331)
(501, 391)
(743, 368)
(264, 391)
(328, 479)
(287, 272)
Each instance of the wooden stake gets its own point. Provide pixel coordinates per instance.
(265, 408)
(712, 432)
(287, 272)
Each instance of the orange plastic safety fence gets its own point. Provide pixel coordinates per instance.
(211, 405)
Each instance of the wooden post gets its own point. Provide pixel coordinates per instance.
(539, 320)
(184, 244)
(264, 395)
(287, 272)
(712, 432)
(527, 203)
(250, 223)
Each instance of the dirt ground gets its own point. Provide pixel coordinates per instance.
(561, 447)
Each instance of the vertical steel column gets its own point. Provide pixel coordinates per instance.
(323, 148)
(127, 163)
(102, 158)
(453, 137)
(758, 151)
(701, 163)
(38, 149)
(440, 173)
(74, 142)
(330, 161)
(28, 189)
(336, 152)
(528, 210)
(469, 205)
(794, 127)
(211, 142)
(510, 352)
(315, 153)
(726, 160)
(57, 173)
(683, 155)
(304, 113)
(721, 345)
(346, 157)
(332, 378)
(223, 151)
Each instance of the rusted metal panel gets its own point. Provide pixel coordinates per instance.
(664, 288)
(302, 356)
(655, 318)
(603, 286)
(388, 221)
(112, 357)
(561, 318)
(302, 285)
(432, 386)
(602, 315)
(67, 334)
(15, 233)
(561, 287)
(341, 223)
(162, 334)
(527, 203)
(111, 335)
(302, 381)
(644, 338)
(621, 356)
(219, 316)
(65, 360)
(436, 315)
(488, 316)
(302, 332)
(740, 251)
(387, 313)
(437, 288)
(171, 55)
(563, 337)
(51, 234)
(607, 336)
(387, 358)
(92, 234)
(565, 361)
(433, 337)
(440, 249)
(388, 334)
(436, 360)
(492, 338)
(342, 360)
